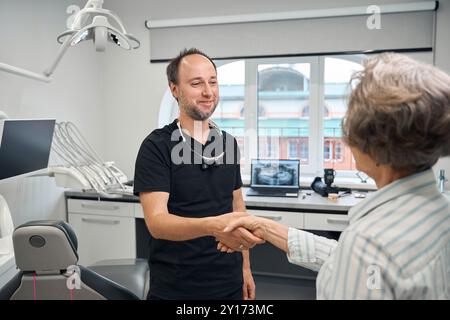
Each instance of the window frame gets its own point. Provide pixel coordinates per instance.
(251, 109)
(293, 149)
(316, 115)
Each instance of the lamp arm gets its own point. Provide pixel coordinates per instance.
(81, 17)
(116, 19)
(136, 40)
(62, 50)
(45, 77)
(24, 72)
(91, 7)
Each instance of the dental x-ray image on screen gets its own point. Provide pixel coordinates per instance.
(275, 173)
(274, 178)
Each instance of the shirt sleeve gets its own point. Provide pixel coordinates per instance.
(308, 250)
(359, 269)
(152, 170)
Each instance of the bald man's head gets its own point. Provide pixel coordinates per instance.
(174, 66)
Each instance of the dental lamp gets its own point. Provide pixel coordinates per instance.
(100, 30)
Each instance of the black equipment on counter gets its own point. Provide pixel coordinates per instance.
(324, 189)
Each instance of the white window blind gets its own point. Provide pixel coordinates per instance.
(411, 30)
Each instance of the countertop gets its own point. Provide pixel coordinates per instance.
(307, 200)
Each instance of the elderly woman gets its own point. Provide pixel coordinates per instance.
(397, 245)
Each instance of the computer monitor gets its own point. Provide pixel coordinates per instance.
(275, 174)
(24, 146)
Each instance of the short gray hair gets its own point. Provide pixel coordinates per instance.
(399, 112)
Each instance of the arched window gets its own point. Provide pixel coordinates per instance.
(280, 78)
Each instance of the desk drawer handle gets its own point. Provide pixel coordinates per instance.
(274, 218)
(339, 221)
(100, 206)
(112, 222)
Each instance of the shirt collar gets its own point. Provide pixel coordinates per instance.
(391, 191)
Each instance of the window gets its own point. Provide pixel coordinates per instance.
(327, 151)
(303, 151)
(282, 96)
(336, 87)
(230, 112)
(338, 151)
(332, 151)
(288, 108)
(293, 149)
(271, 149)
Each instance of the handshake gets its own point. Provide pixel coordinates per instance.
(237, 231)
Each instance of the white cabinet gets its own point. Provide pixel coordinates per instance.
(107, 208)
(138, 211)
(105, 229)
(305, 220)
(325, 221)
(290, 219)
(7, 268)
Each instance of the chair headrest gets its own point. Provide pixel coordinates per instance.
(45, 245)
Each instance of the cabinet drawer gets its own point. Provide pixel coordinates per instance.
(138, 210)
(106, 208)
(103, 238)
(290, 219)
(327, 222)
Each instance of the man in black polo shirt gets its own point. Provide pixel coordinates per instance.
(188, 178)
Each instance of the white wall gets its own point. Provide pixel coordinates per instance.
(133, 88)
(28, 30)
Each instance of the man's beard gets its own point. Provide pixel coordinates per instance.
(195, 113)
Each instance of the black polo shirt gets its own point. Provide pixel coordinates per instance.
(193, 268)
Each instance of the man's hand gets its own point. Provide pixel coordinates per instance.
(251, 223)
(237, 239)
(262, 228)
(254, 224)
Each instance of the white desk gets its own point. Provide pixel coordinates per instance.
(306, 202)
(7, 268)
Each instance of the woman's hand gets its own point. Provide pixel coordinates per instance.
(238, 238)
(250, 223)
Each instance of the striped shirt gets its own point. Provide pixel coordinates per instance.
(397, 246)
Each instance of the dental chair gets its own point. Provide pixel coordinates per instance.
(46, 255)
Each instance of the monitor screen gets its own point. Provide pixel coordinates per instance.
(275, 174)
(24, 146)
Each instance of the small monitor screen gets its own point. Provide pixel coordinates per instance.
(275, 173)
(24, 146)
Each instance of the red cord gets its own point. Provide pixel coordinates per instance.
(34, 285)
